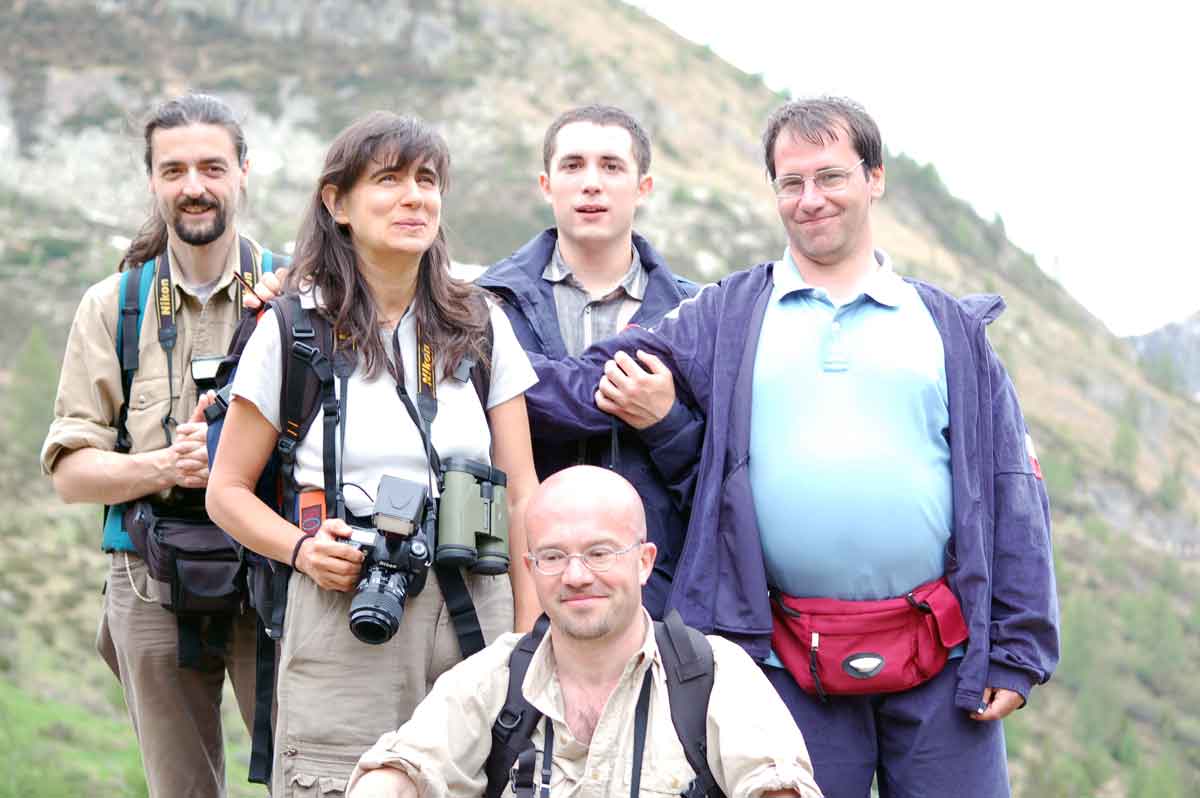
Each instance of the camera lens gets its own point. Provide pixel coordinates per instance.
(378, 606)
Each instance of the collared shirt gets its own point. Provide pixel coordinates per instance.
(89, 390)
(849, 463)
(754, 745)
(581, 319)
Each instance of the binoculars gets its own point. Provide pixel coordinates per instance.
(473, 517)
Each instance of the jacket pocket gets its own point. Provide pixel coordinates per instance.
(311, 770)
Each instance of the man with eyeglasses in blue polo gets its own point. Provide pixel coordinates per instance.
(869, 520)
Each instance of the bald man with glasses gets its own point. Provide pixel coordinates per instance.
(589, 558)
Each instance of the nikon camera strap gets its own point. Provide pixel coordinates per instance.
(454, 587)
(164, 301)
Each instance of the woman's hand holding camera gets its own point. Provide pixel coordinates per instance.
(327, 560)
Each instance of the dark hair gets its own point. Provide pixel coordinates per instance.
(821, 120)
(188, 109)
(450, 312)
(606, 116)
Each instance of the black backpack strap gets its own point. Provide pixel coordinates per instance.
(129, 323)
(512, 733)
(262, 743)
(306, 386)
(688, 660)
(481, 369)
(477, 366)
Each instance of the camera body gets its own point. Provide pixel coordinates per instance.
(398, 554)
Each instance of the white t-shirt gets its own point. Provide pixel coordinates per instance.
(380, 435)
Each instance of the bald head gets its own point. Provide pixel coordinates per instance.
(585, 515)
(585, 497)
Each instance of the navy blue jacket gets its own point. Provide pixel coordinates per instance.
(998, 559)
(651, 460)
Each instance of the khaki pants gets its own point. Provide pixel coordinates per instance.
(336, 695)
(176, 712)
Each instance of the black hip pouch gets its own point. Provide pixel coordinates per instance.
(192, 556)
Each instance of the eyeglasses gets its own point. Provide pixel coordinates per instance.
(834, 178)
(552, 562)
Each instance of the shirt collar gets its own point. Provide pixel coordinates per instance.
(543, 690)
(225, 283)
(883, 285)
(633, 283)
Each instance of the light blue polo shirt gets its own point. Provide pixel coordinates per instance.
(849, 464)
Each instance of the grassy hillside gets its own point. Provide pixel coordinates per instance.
(1122, 716)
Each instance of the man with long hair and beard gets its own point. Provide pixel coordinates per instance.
(144, 441)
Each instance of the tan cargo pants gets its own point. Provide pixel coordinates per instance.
(336, 695)
(176, 712)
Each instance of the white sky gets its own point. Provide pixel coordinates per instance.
(1076, 122)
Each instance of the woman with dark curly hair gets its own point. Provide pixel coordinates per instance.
(371, 260)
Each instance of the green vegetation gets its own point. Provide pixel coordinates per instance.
(1125, 443)
(1171, 492)
(31, 393)
(36, 736)
(1060, 471)
(1161, 369)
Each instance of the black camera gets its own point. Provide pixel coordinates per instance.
(398, 556)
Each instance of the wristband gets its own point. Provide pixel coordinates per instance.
(296, 549)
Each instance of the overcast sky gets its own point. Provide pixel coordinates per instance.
(1076, 122)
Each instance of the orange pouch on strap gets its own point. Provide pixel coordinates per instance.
(835, 647)
(310, 511)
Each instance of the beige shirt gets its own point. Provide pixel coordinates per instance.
(753, 743)
(89, 388)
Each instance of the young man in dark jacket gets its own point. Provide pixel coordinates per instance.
(583, 281)
(864, 445)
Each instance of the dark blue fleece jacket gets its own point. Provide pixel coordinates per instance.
(528, 300)
(998, 560)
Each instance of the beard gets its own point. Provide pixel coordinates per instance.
(611, 618)
(199, 234)
(586, 628)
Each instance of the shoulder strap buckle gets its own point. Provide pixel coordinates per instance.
(508, 719)
(287, 448)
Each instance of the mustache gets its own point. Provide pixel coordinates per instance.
(201, 204)
(565, 595)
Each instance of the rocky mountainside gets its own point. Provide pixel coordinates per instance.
(1118, 448)
(1170, 356)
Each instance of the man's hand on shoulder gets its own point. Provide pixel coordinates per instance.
(266, 289)
(641, 397)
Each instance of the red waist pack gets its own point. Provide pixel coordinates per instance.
(835, 647)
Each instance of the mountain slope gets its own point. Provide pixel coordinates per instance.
(1118, 451)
